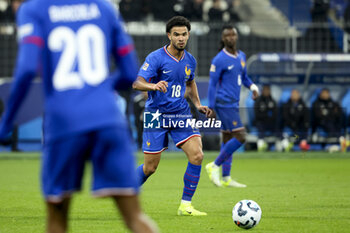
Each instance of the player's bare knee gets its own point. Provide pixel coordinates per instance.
(150, 169)
(241, 136)
(197, 157)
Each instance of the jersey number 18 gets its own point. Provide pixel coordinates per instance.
(176, 90)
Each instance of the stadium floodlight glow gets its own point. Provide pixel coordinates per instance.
(304, 57)
(299, 68)
(337, 57)
(270, 57)
(307, 57)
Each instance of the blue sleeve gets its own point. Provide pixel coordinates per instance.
(149, 69)
(247, 82)
(192, 70)
(124, 54)
(30, 46)
(215, 73)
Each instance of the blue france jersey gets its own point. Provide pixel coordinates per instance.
(161, 65)
(227, 73)
(76, 44)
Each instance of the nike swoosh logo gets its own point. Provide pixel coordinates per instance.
(165, 72)
(230, 67)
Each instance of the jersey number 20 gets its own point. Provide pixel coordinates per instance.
(84, 49)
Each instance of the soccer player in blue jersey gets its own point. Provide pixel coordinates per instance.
(166, 74)
(70, 43)
(227, 73)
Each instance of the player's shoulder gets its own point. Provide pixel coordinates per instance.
(27, 6)
(190, 57)
(156, 54)
(30, 6)
(241, 53)
(32, 3)
(107, 7)
(219, 57)
(28, 11)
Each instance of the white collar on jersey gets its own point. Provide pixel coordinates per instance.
(166, 51)
(230, 54)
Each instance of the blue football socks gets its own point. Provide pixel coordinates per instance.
(226, 152)
(226, 167)
(141, 175)
(191, 179)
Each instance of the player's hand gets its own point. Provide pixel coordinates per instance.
(161, 86)
(205, 110)
(254, 88)
(255, 95)
(212, 114)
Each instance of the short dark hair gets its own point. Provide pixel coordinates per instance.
(227, 26)
(325, 89)
(178, 21)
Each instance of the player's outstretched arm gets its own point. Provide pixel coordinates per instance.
(30, 46)
(26, 68)
(192, 93)
(124, 53)
(127, 73)
(248, 83)
(214, 78)
(142, 85)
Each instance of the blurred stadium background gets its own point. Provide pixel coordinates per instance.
(301, 44)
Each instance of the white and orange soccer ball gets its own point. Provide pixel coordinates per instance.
(246, 214)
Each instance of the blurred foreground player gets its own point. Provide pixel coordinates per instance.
(166, 74)
(70, 43)
(227, 73)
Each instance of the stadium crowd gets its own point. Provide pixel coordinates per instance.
(293, 122)
(194, 10)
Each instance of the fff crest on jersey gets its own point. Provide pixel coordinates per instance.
(242, 63)
(188, 72)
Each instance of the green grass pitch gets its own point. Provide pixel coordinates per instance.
(298, 192)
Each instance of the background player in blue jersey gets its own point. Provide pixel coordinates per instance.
(167, 74)
(70, 43)
(227, 73)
